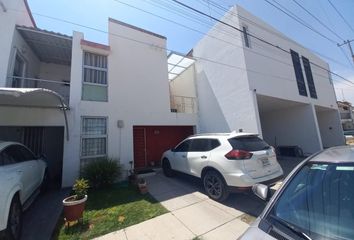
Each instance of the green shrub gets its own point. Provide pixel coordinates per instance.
(80, 188)
(101, 173)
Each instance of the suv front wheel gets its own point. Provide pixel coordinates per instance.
(166, 167)
(14, 223)
(215, 186)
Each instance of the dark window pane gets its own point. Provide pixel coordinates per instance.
(309, 77)
(252, 143)
(183, 147)
(298, 73)
(246, 37)
(203, 145)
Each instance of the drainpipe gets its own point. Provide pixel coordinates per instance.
(2, 5)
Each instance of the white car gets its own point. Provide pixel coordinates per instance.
(224, 161)
(21, 176)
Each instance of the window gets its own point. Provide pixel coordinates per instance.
(298, 73)
(246, 38)
(183, 147)
(15, 154)
(203, 145)
(94, 77)
(251, 143)
(93, 137)
(309, 77)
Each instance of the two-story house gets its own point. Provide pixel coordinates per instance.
(75, 100)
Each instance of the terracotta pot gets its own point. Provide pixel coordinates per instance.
(142, 188)
(73, 209)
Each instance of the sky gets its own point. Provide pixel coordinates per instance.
(152, 14)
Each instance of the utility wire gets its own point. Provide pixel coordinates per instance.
(317, 19)
(288, 13)
(334, 7)
(260, 39)
(350, 62)
(220, 7)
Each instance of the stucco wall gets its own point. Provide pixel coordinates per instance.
(295, 125)
(226, 102)
(8, 20)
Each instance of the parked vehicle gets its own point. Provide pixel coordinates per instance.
(224, 161)
(21, 176)
(316, 201)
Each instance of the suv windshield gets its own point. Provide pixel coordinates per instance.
(319, 202)
(248, 143)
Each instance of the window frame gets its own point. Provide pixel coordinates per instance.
(93, 136)
(309, 77)
(84, 66)
(246, 36)
(299, 74)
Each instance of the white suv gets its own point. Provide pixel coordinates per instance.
(224, 161)
(21, 176)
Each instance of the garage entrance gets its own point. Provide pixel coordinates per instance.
(48, 141)
(288, 123)
(151, 141)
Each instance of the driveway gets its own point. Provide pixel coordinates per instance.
(192, 214)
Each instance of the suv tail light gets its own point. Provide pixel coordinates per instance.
(238, 155)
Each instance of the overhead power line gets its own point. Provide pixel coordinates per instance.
(344, 20)
(258, 38)
(297, 19)
(317, 19)
(249, 21)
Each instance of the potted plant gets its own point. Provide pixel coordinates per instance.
(142, 186)
(74, 205)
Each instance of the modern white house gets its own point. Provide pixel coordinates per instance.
(346, 114)
(245, 84)
(75, 100)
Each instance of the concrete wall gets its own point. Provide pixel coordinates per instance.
(226, 102)
(8, 20)
(292, 126)
(138, 94)
(330, 128)
(271, 71)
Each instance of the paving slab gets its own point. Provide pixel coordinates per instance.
(173, 201)
(234, 212)
(118, 235)
(229, 231)
(164, 227)
(202, 217)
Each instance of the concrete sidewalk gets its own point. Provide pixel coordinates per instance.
(192, 214)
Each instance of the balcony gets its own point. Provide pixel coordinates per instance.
(181, 104)
(41, 59)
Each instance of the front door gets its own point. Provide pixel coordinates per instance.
(139, 136)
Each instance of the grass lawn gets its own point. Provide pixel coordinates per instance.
(109, 210)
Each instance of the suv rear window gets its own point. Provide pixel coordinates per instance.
(248, 143)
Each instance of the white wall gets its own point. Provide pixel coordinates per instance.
(138, 94)
(184, 84)
(330, 128)
(295, 125)
(226, 102)
(8, 20)
(271, 71)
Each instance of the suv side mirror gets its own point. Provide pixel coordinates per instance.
(261, 191)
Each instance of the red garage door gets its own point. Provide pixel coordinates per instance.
(151, 141)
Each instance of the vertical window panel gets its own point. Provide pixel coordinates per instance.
(309, 77)
(298, 73)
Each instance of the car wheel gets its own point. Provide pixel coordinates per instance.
(166, 167)
(215, 186)
(14, 222)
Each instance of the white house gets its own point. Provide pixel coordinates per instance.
(243, 83)
(76, 100)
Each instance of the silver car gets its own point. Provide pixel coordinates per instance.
(316, 200)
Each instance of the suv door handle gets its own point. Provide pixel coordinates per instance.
(204, 157)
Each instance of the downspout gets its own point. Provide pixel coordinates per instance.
(64, 108)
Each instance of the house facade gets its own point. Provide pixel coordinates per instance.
(114, 99)
(283, 92)
(75, 100)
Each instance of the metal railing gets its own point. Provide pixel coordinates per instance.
(345, 115)
(60, 87)
(183, 104)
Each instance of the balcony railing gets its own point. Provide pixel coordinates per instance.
(345, 115)
(182, 104)
(60, 87)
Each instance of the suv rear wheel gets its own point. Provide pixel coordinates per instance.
(14, 222)
(166, 167)
(215, 186)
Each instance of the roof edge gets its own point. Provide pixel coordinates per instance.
(136, 28)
